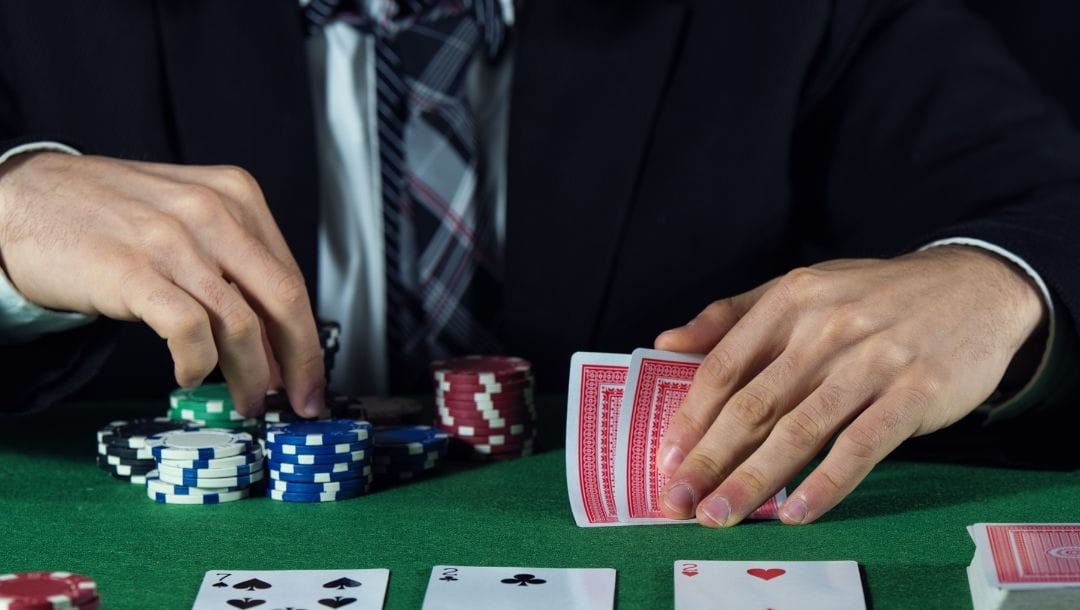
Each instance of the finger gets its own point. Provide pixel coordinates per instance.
(267, 276)
(279, 295)
(176, 317)
(740, 427)
(700, 335)
(797, 437)
(275, 368)
(755, 340)
(874, 434)
(235, 324)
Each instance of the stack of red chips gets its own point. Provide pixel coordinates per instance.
(486, 405)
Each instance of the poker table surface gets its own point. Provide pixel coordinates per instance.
(905, 525)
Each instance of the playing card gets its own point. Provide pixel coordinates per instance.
(483, 588)
(593, 402)
(806, 585)
(351, 589)
(1028, 555)
(655, 387)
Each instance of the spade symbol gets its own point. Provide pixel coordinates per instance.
(247, 602)
(337, 602)
(523, 580)
(341, 583)
(252, 583)
(220, 584)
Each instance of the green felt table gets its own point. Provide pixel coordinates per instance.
(904, 525)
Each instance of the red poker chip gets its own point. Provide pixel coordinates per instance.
(500, 440)
(498, 387)
(481, 369)
(451, 403)
(93, 604)
(485, 418)
(483, 399)
(482, 430)
(46, 590)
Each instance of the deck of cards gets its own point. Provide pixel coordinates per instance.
(617, 409)
(1025, 565)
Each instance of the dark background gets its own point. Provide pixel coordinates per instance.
(1043, 34)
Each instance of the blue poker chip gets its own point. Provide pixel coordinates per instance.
(318, 488)
(289, 449)
(329, 496)
(204, 444)
(320, 477)
(408, 439)
(360, 455)
(319, 433)
(381, 459)
(315, 468)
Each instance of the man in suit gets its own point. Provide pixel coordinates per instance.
(658, 156)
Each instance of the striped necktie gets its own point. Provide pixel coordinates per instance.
(443, 291)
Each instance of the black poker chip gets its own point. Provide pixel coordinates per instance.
(132, 434)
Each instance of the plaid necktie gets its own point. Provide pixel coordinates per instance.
(443, 286)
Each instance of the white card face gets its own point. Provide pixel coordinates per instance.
(593, 402)
(348, 589)
(806, 585)
(487, 588)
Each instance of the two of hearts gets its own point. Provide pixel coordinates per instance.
(762, 573)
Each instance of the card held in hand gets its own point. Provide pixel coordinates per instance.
(656, 385)
(493, 588)
(806, 585)
(350, 589)
(593, 402)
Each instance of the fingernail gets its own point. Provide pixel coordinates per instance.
(716, 509)
(680, 499)
(314, 404)
(794, 510)
(670, 458)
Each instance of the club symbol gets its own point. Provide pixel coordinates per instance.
(523, 580)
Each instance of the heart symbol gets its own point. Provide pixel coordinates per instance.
(769, 574)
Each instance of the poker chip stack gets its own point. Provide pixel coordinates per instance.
(330, 342)
(208, 466)
(406, 452)
(209, 406)
(122, 450)
(486, 404)
(318, 461)
(48, 591)
(279, 411)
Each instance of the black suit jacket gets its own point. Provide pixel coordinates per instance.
(662, 154)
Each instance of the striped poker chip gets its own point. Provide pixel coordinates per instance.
(319, 433)
(46, 591)
(481, 370)
(220, 497)
(203, 444)
(359, 455)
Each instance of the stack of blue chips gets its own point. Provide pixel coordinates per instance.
(406, 452)
(318, 461)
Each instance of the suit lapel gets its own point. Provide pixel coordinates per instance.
(588, 81)
(238, 79)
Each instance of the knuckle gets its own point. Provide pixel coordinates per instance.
(694, 421)
(751, 479)
(752, 407)
(799, 286)
(861, 441)
(801, 430)
(718, 369)
(705, 465)
(200, 200)
(165, 234)
(847, 324)
(241, 324)
(889, 354)
(291, 289)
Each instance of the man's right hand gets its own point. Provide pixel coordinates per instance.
(192, 251)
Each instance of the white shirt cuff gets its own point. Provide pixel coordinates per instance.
(1018, 402)
(21, 320)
